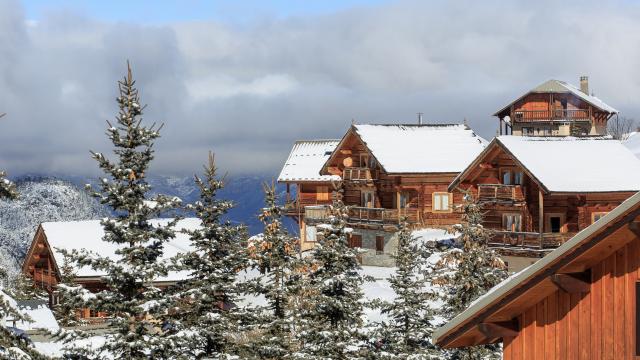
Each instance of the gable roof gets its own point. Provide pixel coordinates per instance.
(569, 164)
(520, 291)
(429, 148)
(306, 159)
(88, 234)
(558, 86)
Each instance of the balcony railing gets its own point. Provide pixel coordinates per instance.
(550, 115)
(363, 215)
(44, 278)
(357, 174)
(297, 207)
(528, 240)
(381, 215)
(316, 213)
(499, 192)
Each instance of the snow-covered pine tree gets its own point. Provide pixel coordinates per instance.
(469, 270)
(66, 310)
(130, 297)
(206, 311)
(275, 254)
(330, 326)
(406, 334)
(7, 188)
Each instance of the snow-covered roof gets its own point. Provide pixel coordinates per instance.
(558, 86)
(523, 280)
(39, 312)
(306, 159)
(632, 142)
(568, 164)
(87, 235)
(431, 148)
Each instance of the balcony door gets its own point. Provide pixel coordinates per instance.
(367, 198)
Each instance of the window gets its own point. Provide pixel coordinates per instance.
(506, 177)
(555, 223)
(367, 199)
(512, 222)
(517, 177)
(403, 200)
(527, 131)
(379, 244)
(595, 216)
(310, 233)
(512, 177)
(355, 241)
(546, 132)
(442, 201)
(364, 160)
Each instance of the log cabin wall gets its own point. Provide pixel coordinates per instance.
(600, 324)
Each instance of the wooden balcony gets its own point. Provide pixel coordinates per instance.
(551, 115)
(381, 215)
(499, 192)
(528, 240)
(316, 213)
(297, 207)
(356, 174)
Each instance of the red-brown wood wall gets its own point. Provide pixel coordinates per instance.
(595, 325)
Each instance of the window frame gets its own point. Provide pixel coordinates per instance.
(438, 208)
(563, 222)
(504, 221)
(595, 213)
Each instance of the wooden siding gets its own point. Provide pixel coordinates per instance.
(600, 324)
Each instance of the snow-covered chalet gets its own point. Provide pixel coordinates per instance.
(539, 191)
(387, 171)
(556, 108)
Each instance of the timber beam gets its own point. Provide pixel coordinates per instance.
(572, 283)
(500, 329)
(634, 226)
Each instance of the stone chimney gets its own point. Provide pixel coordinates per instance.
(584, 84)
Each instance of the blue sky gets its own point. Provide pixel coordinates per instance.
(165, 11)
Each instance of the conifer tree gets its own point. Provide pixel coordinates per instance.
(468, 271)
(7, 187)
(330, 327)
(206, 308)
(275, 254)
(70, 299)
(130, 298)
(407, 332)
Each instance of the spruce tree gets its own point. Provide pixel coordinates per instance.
(275, 255)
(406, 334)
(69, 299)
(131, 297)
(206, 311)
(468, 271)
(7, 187)
(330, 326)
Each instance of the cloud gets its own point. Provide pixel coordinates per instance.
(248, 91)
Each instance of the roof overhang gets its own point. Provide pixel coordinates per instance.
(512, 297)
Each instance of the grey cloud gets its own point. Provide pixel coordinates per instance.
(247, 92)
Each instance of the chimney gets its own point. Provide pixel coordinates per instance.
(420, 118)
(584, 84)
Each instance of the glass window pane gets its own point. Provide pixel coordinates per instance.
(445, 202)
(506, 178)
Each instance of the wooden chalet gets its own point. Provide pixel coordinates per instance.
(538, 192)
(581, 301)
(556, 108)
(44, 258)
(388, 172)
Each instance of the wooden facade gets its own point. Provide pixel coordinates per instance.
(379, 198)
(555, 108)
(524, 213)
(579, 302)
